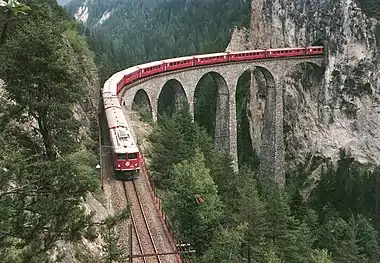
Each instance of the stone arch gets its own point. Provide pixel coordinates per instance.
(142, 104)
(171, 97)
(220, 110)
(255, 87)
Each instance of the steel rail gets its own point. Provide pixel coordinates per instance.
(134, 226)
(146, 222)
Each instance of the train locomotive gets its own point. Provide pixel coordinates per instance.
(126, 155)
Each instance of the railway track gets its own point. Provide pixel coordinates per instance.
(142, 232)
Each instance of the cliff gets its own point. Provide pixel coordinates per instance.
(331, 108)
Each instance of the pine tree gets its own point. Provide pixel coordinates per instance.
(291, 238)
(194, 222)
(226, 246)
(321, 256)
(51, 82)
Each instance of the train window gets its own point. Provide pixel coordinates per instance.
(132, 156)
(121, 156)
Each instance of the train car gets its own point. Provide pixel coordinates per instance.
(131, 76)
(285, 52)
(178, 63)
(125, 154)
(317, 50)
(246, 55)
(111, 102)
(128, 76)
(151, 68)
(109, 87)
(209, 59)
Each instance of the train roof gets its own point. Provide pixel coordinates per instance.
(285, 48)
(247, 51)
(129, 71)
(177, 59)
(110, 84)
(122, 140)
(150, 64)
(211, 55)
(315, 47)
(110, 102)
(109, 89)
(115, 117)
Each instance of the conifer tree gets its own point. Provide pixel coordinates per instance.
(226, 246)
(195, 221)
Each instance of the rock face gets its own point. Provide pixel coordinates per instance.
(331, 108)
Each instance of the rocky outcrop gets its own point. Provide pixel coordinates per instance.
(338, 106)
(84, 250)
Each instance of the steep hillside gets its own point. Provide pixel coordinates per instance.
(340, 109)
(48, 138)
(125, 33)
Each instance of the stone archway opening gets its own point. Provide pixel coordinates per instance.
(254, 87)
(304, 107)
(142, 105)
(211, 108)
(172, 97)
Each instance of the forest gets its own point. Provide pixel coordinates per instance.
(245, 218)
(49, 63)
(242, 218)
(48, 154)
(144, 31)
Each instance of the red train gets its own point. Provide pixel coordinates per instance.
(152, 68)
(125, 151)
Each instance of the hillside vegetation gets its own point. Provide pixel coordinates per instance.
(242, 217)
(47, 157)
(370, 7)
(142, 31)
(245, 218)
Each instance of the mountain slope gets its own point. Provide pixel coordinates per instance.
(125, 33)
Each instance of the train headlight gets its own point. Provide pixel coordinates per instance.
(118, 165)
(127, 163)
(135, 164)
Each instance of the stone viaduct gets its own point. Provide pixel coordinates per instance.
(226, 75)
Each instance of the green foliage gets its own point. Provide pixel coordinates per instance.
(142, 31)
(45, 172)
(175, 139)
(46, 96)
(112, 250)
(260, 222)
(13, 9)
(370, 7)
(226, 246)
(321, 256)
(41, 201)
(194, 222)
